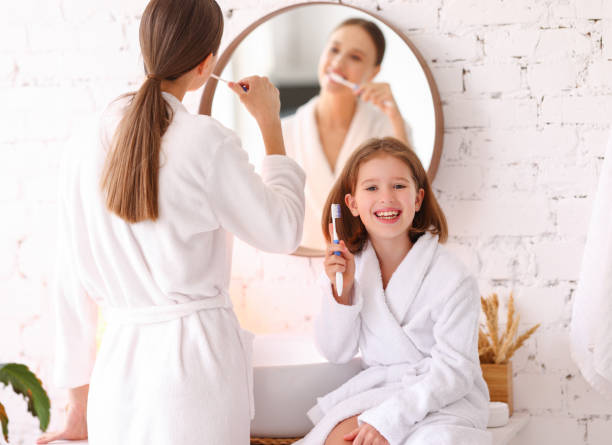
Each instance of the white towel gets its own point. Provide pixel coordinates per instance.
(591, 336)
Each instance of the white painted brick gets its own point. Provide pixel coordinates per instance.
(599, 76)
(8, 256)
(583, 9)
(491, 78)
(462, 181)
(484, 219)
(558, 260)
(462, 13)
(512, 113)
(555, 429)
(102, 36)
(576, 109)
(599, 431)
(449, 79)
(465, 113)
(567, 180)
(550, 77)
(583, 400)
(560, 43)
(593, 142)
(523, 144)
(504, 260)
(455, 146)
(544, 305)
(443, 47)
(514, 177)
(606, 39)
(408, 15)
(45, 37)
(13, 37)
(538, 392)
(553, 351)
(515, 41)
(22, 297)
(573, 216)
(31, 12)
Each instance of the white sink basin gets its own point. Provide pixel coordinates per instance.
(289, 374)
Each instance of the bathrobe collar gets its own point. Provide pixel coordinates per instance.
(174, 103)
(407, 279)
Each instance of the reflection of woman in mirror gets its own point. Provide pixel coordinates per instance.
(324, 132)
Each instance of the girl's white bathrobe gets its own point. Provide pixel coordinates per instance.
(174, 365)
(418, 338)
(303, 144)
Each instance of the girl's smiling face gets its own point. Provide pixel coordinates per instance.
(350, 53)
(385, 197)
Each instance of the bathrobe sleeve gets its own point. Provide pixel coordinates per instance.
(451, 373)
(75, 312)
(264, 211)
(338, 325)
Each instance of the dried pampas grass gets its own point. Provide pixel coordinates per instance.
(491, 347)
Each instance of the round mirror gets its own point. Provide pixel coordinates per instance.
(294, 47)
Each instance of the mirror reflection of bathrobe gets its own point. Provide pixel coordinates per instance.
(303, 144)
(174, 365)
(418, 338)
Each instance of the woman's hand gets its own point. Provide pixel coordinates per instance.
(380, 95)
(75, 427)
(366, 434)
(345, 264)
(261, 99)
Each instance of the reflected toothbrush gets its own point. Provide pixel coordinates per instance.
(335, 214)
(353, 86)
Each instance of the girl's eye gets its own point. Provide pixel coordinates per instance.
(333, 50)
(399, 186)
(356, 58)
(371, 188)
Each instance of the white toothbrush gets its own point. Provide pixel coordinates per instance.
(214, 76)
(353, 86)
(335, 214)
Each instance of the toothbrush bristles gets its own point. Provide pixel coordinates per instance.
(335, 211)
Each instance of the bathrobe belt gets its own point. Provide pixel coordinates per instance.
(160, 314)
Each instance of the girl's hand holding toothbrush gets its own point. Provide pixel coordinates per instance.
(345, 264)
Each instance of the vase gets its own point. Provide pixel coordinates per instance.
(499, 381)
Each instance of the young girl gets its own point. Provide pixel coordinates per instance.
(146, 217)
(407, 304)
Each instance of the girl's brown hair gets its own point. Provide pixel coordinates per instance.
(175, 36)
(373, 31)
(350, 228)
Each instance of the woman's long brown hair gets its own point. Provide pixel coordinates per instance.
(429, 218)
(175, 36)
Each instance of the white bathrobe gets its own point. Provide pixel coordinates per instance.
(422, 382)
(591, 336)
(303, 144)
(174, 366)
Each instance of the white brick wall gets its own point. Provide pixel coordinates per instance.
(525, 86)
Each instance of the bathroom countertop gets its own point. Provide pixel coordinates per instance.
(504, 434)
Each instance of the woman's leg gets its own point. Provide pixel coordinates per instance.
(340, 430)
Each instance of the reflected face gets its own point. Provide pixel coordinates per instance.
(385, 197)
(350, 53)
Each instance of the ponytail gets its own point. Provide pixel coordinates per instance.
(130, 178)
(175, 37)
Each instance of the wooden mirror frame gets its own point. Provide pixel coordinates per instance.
(211, 86)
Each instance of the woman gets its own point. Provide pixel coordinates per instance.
(145, 222)
(323, 133)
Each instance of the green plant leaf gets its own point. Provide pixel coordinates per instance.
(4, 422)
(26, 383)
